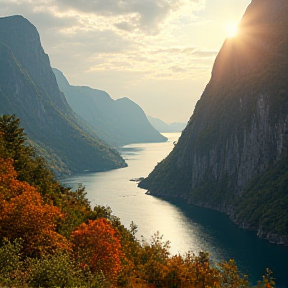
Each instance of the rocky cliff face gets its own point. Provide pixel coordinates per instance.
(238, 133)
(28, 88)
(23, 39)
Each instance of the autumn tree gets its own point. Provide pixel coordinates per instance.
(230, 275)
(153, 259)
(23, 214)
(29, 167)
(97, 245)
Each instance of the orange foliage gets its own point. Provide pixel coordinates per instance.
(7, 175)
(24, 215)
(97, 245)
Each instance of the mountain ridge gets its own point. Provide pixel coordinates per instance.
(238, 131)
(28, 88)
(163, 127)
(118, 122)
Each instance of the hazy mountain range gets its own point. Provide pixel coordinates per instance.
(233, 154)
(71, 139)
(163, 127)
(118, 122)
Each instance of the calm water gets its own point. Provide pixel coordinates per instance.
(187, 227)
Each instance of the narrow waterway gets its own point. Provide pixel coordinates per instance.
(187, 227)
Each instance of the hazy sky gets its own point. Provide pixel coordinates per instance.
(159, 53)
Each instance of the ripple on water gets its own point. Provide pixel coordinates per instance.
(187, 227)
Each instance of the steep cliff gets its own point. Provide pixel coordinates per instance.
(28, 88)
(232, 156)
(118, 122)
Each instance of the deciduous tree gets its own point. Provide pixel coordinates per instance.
(23, 214)
(97, 245)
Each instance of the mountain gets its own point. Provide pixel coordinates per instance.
(118, 122)
(163, 127)
(232, 156)
(28, 88)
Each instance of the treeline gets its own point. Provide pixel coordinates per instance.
(51, 237)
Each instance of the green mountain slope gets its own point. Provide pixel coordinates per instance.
(232, 155)
(118, 122)
(28, 88)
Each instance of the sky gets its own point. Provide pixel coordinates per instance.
(158, 53)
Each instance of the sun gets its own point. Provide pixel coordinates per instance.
(231, 29)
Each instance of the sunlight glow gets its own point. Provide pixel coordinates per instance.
(232, 30)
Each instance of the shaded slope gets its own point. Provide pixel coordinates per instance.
(28, 89)
(239, 129)
(118, 122)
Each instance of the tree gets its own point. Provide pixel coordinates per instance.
(7, 176)
(97, 245)
(29, 167)
(23, 214)
(12, 134)
(11, 267)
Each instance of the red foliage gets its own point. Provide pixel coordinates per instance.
(24, 215)
(97, 245)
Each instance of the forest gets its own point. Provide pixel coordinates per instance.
(50, 236)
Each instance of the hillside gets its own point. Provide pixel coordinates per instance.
(163, 127)
(118, 122)
(28, 88)
(232, 156)
(50, 236)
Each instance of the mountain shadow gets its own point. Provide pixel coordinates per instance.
(28, 88)
(232, 156)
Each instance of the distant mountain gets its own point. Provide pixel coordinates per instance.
(28, 88)
(233, 154)
(117, 122)
(163, 127)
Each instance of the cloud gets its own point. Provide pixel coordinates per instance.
(140, 16)
(192, 51)
(118, 44)
(109, 35)
(126, 26)
(177, 69)
(205, 53)
(145, 15)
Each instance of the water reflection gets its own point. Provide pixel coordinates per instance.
(187, 227)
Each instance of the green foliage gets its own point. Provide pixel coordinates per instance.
(59, 270)
(138, 263)
(52, 271)
(11, 265)
(265, 200)
(76, 208)
(13, 136)
(239, 123)
(29, 167)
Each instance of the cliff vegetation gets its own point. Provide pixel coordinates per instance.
(232, 156)
(51, 237)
